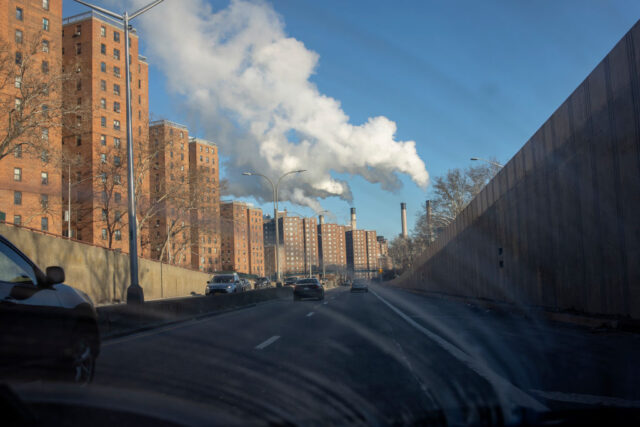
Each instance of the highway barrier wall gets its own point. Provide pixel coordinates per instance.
(559, 226)
(103, 273)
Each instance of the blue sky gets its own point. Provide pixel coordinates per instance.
(461, 78)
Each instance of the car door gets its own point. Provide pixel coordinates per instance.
(27, 311)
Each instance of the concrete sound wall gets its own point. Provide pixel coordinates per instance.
(102, 273)
(559, 226)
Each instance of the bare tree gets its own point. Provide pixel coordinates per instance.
(31, 101)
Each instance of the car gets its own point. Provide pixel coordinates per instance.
(49, 329)
(262, 282)
(359, 286)
(223, 283)
(290, 281)
(308, 288)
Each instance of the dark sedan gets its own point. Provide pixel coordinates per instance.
(308, 288)
(48, 329)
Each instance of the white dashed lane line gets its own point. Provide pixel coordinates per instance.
(267, 343)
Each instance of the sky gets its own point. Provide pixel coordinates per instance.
(373, 98)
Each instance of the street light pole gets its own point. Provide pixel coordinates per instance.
(135, 294)
(488, 161)
(275, 211)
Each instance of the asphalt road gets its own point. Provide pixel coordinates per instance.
(384, 357)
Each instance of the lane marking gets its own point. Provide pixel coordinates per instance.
(507, 392)
(588, 399)
(309, 314)
(267, 342)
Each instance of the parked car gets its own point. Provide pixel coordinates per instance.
(223, 283)
(262, 282)
(290, 281)
(359, 285)
(308, 288)
(49, 329)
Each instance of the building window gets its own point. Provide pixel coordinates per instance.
(45, 24)
(17, 197)
(19, 14)
(117, 179)
(17, 174)
(79, 85)
(116, 89)
(45, 46)
(103, 31)
(18, 104)
(78, 140)
(45, 4)
(18, 82)
(116, 160)
(78, 48)
(103, 140)
(116, 54)
(116, 107)
(104, 234)
(139, 99)
(18, 36)
(44, 201)
(116, 124)
(116, 142)
(17, 219)
(19, 58)
(103, 48)
(116, 36)
(103, 85)
(45, 67)
(103, 121)
(103, 67)
(118, 235)
(117, 197)
(44, 223)
(103, 103)
(103, 177)
(116, 71)
(103, 158)
(17, 152)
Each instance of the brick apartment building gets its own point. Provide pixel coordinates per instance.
(311, 258)
(270, 260)
(234, 235)
(332, 247)
(30, 179)
(292, 240)
(356, 242)
(205, 219)
(169, 206)
(93, 48)
(373, 261)
(256, 241)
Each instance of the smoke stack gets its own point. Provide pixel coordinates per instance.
(321, 219)
(403, 212)
(353, 218)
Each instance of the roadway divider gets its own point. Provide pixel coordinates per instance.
(123, 319)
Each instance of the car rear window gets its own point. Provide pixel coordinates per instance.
(307, 282)
(223, 279)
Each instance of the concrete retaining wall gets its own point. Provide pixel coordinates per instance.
(102, 273)
(559, 226)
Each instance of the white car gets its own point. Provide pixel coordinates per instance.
(223, 283)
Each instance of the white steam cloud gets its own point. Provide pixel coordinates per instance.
(246, 84)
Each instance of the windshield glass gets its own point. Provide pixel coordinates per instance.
(416, 212)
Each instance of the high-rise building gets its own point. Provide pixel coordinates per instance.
(357, 251)
(332, 247)
(169, 206)
(256, 241)
(383, 251)
(93, 48)
(372, 251)
(234, 246)
(30, 178)
(310, 230)
(292, 242)
(205, 218)
(270, 260)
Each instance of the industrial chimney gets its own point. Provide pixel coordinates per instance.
(353, 218)
(403, 215)
(321, 219)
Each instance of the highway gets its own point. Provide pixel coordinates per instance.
(384, 357)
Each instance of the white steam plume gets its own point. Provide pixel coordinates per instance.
(246, 83)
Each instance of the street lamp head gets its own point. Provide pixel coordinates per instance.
(247, 173)
(300, 171)
(474, 158)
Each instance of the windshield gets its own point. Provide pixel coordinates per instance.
(416, 212)
(223, 279)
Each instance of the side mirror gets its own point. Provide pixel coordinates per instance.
(54, 275)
